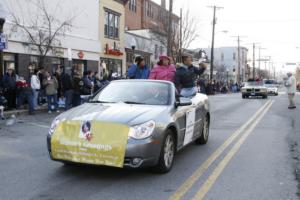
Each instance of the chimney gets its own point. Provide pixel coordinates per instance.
(163, 4)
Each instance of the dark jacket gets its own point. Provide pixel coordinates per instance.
(78, 84)
(9, 82)
(185, 76)
(66, 82)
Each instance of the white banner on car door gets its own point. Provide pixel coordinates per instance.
(190, 124)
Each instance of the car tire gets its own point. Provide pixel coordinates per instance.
(167, 154)
(244, 96)
(203, 139)
(265, 96)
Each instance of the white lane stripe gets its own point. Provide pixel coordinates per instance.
(38, 125)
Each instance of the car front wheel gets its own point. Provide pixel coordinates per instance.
(167, 154)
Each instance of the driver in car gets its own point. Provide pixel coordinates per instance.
(186, 75)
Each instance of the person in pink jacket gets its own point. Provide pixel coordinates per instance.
(164, 70)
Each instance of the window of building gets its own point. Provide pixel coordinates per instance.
(161, 50)
(112, 25)
(150, 10)
(132, 5)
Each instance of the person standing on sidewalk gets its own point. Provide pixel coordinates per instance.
(24, 91)
(51, 86)
(78, 87)
(36, 86)
(9, 87)
(291, 87)
(67, 89)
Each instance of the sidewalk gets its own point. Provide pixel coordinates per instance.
(23, 111)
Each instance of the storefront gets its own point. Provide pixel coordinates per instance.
(132, 54)
(79, 66)
(10, 60)
(113, 65)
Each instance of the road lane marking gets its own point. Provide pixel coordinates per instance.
(185, 187)
(38, 125)
(220, 168)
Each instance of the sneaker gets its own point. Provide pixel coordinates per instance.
(57, 111)
(2, 118)
(49, 111)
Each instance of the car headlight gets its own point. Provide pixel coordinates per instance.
(53, 126)
(142, 131)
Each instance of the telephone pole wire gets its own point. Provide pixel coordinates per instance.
(214, 22)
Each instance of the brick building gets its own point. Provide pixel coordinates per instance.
(146, 14)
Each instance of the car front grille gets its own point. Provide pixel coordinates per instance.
(257, 90)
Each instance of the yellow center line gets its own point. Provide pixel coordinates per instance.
(219, 169)
(185, 187)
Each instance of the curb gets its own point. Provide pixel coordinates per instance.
(22, 112)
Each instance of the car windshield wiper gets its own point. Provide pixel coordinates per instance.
(133, 102)
(97, 101)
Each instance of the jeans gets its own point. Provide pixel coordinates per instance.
(188, 92)
(52, 101)
(69, 99)
(35, 98)
(29, 97)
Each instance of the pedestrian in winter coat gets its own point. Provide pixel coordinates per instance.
(164, 70)
(78, 87)
(186, 75)
(139, 70)
(9, 87)
(67, 89)
(87, 83)
(35, 86)
(291, 87)
(51, 86)
(24, 91)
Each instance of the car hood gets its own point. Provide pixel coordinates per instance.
(117, 113)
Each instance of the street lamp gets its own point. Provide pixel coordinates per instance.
(3, 15)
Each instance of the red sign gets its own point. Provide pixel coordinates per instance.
(114, 52)
(80, 54)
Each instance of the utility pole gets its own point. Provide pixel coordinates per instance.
(169, 37)
(214, 22)
(259, 59)
(239, 58)
(180, 47)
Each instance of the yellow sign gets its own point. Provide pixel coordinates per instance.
(90, 142)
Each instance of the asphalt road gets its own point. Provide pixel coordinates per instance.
(252, 154)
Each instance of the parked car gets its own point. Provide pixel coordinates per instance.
(254, 88)
(130, 123)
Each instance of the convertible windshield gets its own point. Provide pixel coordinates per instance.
(254, 83)
(135, 92)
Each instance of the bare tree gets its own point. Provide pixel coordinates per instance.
(189, 34)
(42, 28)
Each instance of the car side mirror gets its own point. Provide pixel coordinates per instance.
(184, 102)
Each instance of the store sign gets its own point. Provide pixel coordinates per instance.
(3, 42)
(114, 52)
(80, 55)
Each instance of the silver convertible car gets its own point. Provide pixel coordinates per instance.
(130, 123)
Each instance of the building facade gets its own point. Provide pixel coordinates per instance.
(226, 62)
(146, 14)
(112, 36)
(77, 49)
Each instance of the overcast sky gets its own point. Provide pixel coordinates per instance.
(273, 23)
